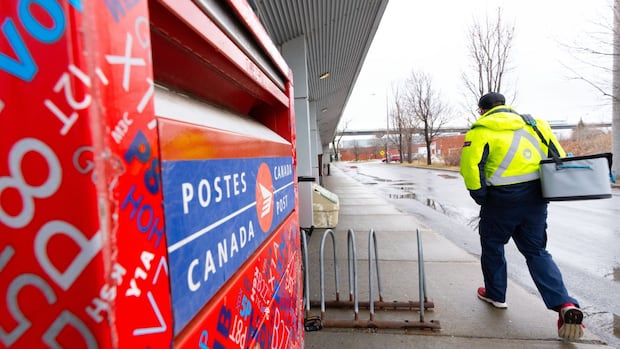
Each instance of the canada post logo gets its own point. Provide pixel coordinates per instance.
(218, 212)
(264, 197)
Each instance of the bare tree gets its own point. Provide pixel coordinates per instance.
(489, 47)
(356, 150)
(596, 54)
(407, 119)
(595, 50)
(397, 115)
(378, 145)
(400, 121)
(338, 138)
(427, 107)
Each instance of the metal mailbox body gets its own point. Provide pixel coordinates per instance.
(86, 243)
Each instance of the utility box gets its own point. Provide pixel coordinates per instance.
(325, 207)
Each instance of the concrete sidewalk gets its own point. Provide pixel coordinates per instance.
(452, 277)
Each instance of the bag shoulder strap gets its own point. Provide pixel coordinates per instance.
(529, 120)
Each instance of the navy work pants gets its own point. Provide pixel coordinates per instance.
(527, 225)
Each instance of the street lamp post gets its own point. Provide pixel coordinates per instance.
(387, 129)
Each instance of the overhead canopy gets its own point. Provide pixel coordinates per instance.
(338, 35)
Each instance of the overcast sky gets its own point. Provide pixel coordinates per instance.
(430, 36)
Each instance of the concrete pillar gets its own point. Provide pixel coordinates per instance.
(294, 52)
(615, 122)
(326, 160)
(315, 140)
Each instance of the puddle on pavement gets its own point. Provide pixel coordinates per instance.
(409, 191)
(406, 184)
(614, 274)
(402, 196)
(405, 190)
(607, 326)
(371, 178)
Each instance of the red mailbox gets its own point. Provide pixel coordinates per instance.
(148, 193)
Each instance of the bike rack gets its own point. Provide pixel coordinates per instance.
(322, 270)
(316, 323)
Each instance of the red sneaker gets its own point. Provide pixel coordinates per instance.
(570, 320)
(482, 294)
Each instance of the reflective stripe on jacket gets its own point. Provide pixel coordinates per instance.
(501, 149)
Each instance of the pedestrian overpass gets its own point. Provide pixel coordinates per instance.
(381, 132)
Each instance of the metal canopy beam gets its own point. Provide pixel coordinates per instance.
(338, 34)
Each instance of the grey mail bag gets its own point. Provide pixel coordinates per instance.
(573, 178)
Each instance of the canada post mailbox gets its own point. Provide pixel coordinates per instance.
(228, 188)
(148, 192)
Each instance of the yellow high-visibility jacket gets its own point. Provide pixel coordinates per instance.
(502, 151)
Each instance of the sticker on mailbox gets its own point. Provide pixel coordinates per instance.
(218, 212)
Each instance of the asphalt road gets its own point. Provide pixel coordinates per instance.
(584, 236)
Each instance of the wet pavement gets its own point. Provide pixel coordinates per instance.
(451, 275)
(584, 235)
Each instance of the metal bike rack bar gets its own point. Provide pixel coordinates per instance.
(389, 324)
(372, 244)
(304, 252)
(387, 305)
(311, 323)
(421, 274)
(351, 250)
(322, 270)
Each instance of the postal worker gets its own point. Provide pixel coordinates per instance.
(500, 163)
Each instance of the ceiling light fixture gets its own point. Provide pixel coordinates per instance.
(324, 76)
(323, 110)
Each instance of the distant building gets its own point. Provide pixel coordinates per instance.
(370, 149)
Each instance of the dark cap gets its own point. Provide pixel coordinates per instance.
(490, 100)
